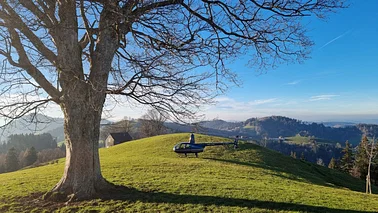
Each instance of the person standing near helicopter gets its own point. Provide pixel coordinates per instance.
(191, 139)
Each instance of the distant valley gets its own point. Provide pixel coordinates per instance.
(279, 126)
(253, 128)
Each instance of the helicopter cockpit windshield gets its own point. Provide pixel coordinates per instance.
(180, 146)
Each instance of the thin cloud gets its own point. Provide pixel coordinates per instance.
(322, 97)
(286, 103)
(294, 82)
(335, 39)
(226, 103)
(263, 101)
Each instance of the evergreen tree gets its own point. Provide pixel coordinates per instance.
(30, 156)
(302, 156)
(362, 160)
(346, 163)
(11, 160)
(332, 164)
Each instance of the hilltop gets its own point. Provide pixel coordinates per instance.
(155, 179)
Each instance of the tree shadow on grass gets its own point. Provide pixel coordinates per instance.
(133, 195)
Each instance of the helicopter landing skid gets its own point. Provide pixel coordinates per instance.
(186, 154)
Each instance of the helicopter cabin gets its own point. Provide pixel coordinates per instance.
(117, 138)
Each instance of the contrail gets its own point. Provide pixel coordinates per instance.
(333, 40)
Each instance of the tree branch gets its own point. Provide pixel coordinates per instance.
(30, 69)
(14, 21)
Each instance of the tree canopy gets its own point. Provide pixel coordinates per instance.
(149, 48)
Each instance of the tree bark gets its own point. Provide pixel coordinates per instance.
(368, 182)
(82, 177)
(371, 155)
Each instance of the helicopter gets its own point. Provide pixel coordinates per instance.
(195, 148)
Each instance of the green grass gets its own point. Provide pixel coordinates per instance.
(59, 144)
(250, 179)
(249, 127)
(306, 140)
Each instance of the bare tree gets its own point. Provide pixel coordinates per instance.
(75, 53)
(264, 140)
(152, 123)
(124, 125)
(371, 152)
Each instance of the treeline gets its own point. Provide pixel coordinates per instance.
(221, 125)
(21, 142)
(28, 150)
(357, 161)
(370, 130)
(312, 152)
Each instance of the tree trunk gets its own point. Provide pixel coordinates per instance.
(371, 156)
(367, 184)
(368, 181)
(82, 102)
(82, 177)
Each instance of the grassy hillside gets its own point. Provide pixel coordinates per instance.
(251, 179)
(306, 140)
(59, 144)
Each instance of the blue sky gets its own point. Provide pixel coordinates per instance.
(339, 82)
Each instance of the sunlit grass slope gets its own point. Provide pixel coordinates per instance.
(306, 140)
(250, 179)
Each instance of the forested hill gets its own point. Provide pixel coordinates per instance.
(276, 126)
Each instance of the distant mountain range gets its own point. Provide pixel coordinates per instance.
(36, 124)
(253, 128)
(276, 126)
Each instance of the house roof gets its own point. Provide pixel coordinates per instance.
(121, 136)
